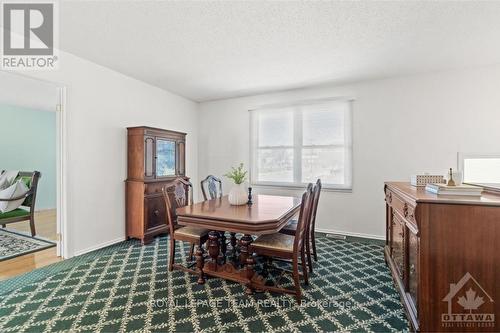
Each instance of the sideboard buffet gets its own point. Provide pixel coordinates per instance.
(444, 256)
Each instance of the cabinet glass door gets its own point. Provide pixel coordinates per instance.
(165, 158)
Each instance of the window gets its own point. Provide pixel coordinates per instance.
(297, 144)
(483, 170)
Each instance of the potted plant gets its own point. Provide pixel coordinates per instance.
(237, 194)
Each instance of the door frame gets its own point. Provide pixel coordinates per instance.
(61, 158)
(62, 245)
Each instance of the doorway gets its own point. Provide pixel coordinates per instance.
(32, 150)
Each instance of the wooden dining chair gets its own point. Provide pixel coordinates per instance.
(176, 195)
(288, 247)
(291, 227)
(18, 215)
(213, 186)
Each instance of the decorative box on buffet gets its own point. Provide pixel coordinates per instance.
(422, 180)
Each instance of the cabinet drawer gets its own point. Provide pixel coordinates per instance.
(154, 188)
(398, 204)
(154, 210)
(404, 208)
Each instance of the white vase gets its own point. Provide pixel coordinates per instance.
(238, 195)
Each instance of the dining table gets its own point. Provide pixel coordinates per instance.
(266, 214)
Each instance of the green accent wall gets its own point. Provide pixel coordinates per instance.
(28, 143)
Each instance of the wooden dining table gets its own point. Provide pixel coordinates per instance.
(267, 214)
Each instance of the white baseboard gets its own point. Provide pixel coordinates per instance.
(99, 246)
(347, 233)
(328, 231)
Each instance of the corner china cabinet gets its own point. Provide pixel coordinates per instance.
(155, 158)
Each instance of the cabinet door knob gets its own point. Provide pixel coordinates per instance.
(156, 212)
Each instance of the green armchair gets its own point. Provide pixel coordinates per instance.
(21, 214)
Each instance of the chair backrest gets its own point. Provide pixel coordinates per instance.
(30, 200)
(177, 194)
(304, 218)
(316, 193)
(213, 186)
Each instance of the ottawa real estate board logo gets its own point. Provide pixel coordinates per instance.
(29, 35)
(469, 305)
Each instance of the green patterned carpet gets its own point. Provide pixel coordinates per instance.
(128, 288)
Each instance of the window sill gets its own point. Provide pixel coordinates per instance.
(295, 188)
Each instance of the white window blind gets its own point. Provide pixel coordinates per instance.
(297, 144)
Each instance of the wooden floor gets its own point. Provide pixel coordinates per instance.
(45, 222)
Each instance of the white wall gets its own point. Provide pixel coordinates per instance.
(27, 106)
(28, 143)
(22, 91)
(400, 126)
(101, 103)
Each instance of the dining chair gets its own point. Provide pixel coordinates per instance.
(289, 247)
(211, 187)
(175, 196)
(30, 179)
(291, 227)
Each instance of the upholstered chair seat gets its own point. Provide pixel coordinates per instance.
(187, 233)
(274, 242)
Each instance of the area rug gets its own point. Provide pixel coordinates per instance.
(129, 289)
(14, 244)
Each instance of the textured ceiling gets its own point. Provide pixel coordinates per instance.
(214, 50)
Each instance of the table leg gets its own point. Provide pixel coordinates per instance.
(213, 248)
(250, 272)
(246, 260)
(233, 242)
(244, 242)
(223, 246)
(200, 262)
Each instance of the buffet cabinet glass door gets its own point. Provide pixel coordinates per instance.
(166, 158)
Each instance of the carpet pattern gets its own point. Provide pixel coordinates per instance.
(13, 244)
(130, 289)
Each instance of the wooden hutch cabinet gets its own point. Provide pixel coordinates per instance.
(439, 249)
(155, 158)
